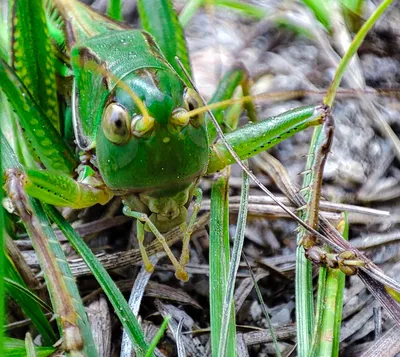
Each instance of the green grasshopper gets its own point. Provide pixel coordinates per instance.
(139, 123)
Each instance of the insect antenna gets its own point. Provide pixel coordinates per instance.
(248, 172)
(286, 95)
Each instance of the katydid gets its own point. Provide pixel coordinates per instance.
(135, 120)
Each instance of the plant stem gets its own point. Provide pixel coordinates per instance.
(355, 44)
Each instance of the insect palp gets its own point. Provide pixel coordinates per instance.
(142, 126)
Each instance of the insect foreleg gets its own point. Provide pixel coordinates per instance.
(62, 190)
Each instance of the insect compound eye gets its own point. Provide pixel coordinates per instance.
(116, 124)
(193, 101)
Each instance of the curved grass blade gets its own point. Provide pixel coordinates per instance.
(115, 296)
(321, 10)
(30, 304)
(355, 44)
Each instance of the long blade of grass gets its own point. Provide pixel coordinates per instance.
(2, 265)
(137, 292)
(114, 9)
(234, 264)
(341, 280)
(329, 306)
(115, 296)
(303, 280)
(31, 305)
(355, 44)
(321, 11)
(263, 307)
(219, 264)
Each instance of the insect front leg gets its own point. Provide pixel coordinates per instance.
(62, 190)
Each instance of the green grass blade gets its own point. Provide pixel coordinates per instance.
(29, 346)
(329, 307)
(2, 266)
(55, 153)
(303, 285)
(115, 296)
(233, 267)
(319, 310)
(189, 10)
(243, 8)
(355, 44)
(114, 9)
(32, 56)
(341, 281)
(16, 348)
(263, 307)
(326, 341)
(219, 263)
(159, 18)
(320, 8)
(30, 304)
(304, 302)
(157, 337)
